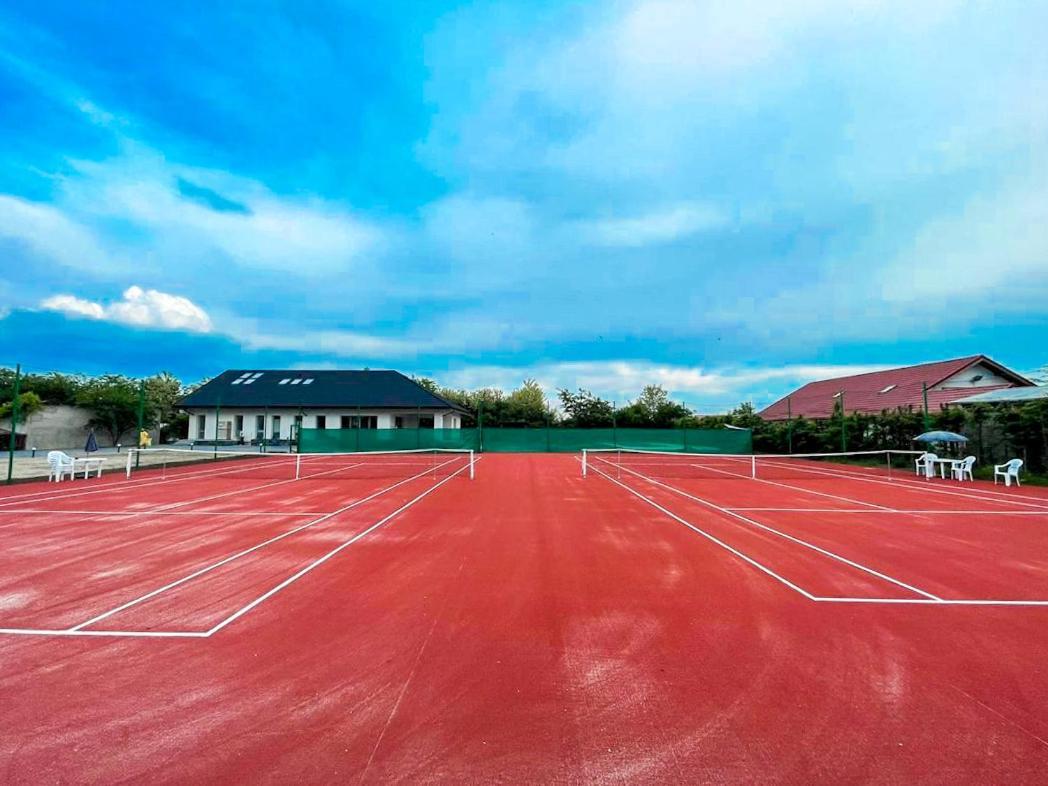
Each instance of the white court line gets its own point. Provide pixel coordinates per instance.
(909, 484)
(763, 568)
(120, 485)
(161, 512)
(915, 512)
(195, 501)
(806, 491)
(159, 634)
(806, 544)
(244, 552)
(945, 602)
(317, 563)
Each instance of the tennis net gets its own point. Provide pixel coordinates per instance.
(768, 466)
(175, 463)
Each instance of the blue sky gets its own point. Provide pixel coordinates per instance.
(726, 198)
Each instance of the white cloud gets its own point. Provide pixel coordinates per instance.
(672, 223)
(49, 232)
(256, 228)
(139, 307)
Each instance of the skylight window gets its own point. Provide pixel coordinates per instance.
(307, 381)
(295, 381)
(237, 381)
(888, 389)
(249, 381)
(285, 380)
(256, 375)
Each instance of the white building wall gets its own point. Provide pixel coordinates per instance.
(228, 421)
(965, 379)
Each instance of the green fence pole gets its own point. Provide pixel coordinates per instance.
(141, 419)
(789, 426)
(418, 427)
(218, 412)
(14, 425)
(614, 428)
(924, 395)
(265, 427)
(360, 425)
(480, 426)
(844, 429)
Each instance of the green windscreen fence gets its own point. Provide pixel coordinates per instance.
(526, 440)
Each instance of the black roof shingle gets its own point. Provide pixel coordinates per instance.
(323, 388)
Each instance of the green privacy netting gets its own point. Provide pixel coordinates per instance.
(526, 440)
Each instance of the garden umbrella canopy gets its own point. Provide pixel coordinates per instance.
(940, 436)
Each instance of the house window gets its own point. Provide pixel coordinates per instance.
(201, 426)
(977, 377)
(425, 421)
(398, 422)
(275, 430)
(321, 421)
(346, 421)
(238, 427)
(369, 421)
(260, 428)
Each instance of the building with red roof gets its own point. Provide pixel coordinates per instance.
(946, 381)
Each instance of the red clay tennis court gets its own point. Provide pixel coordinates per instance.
(659, 619)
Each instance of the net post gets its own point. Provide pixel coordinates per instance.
(753, 466)
(127, 470)
(298, 466)
(889, 463)
(141, 417)
(584, 462)
(472, 462)
(14, 425)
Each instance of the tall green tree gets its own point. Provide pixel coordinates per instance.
(585, 410)
(112, 401)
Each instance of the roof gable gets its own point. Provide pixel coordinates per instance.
(886, 390)
(321, 388)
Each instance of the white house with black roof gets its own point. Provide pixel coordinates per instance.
(271, 405)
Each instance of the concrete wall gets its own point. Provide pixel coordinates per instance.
(228, 421)
(61, 427)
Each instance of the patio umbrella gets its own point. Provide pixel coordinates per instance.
(940, 436)
(92, 443)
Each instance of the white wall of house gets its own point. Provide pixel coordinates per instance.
(977, 376)
(278, 423)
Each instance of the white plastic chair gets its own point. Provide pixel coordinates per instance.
(959, 469)
(925, 464)
(1008, 471)
(59, 464)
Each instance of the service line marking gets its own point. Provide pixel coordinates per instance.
(245, 552)
(799, 541)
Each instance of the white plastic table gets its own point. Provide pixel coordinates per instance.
(88, 465)
(943, 463)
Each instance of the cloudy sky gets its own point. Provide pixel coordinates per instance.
(727, 198)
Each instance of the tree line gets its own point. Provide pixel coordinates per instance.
(997, 432)
(112, 400)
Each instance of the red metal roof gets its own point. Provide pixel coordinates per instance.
(886, 390)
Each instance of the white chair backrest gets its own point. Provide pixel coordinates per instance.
(1014, 465)
(930, 457)
(969, 462)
